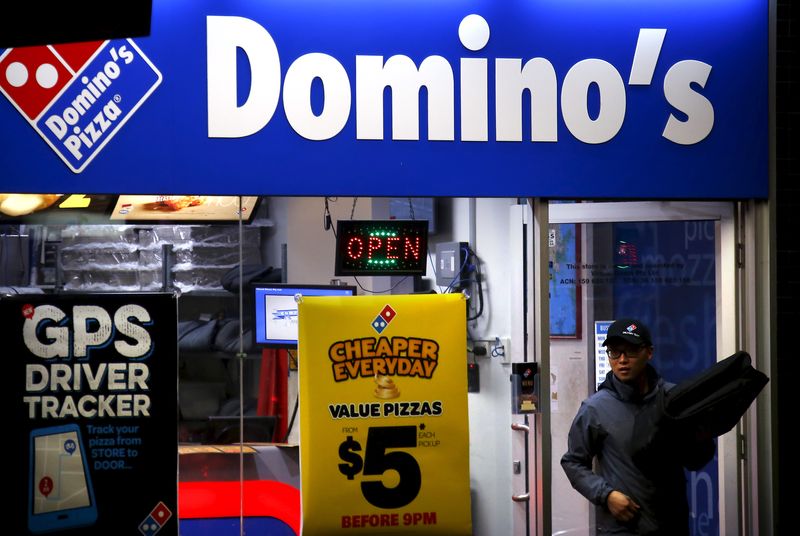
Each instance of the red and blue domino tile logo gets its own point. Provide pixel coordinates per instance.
(78, 95)
(155, 520)
(386, 315)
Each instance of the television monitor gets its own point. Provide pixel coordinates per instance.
(275, 310)
(183, 208)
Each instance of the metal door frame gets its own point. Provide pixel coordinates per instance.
(745, 482)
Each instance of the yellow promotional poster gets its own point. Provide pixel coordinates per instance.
(384, 430)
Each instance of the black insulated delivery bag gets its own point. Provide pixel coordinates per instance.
(706, 405)
(715, 399)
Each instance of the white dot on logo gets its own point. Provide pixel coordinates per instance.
(388, 313)
(46, 75)
(473, 32)
(17, 74)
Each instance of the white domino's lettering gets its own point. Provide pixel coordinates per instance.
(86, 101)
(373, 74)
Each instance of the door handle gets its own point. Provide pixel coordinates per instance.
(520, 427)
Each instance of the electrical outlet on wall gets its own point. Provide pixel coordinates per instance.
(500, 349)
(497, 348)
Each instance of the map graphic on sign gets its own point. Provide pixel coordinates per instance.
(78, 95)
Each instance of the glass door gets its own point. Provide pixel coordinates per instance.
(668, 265)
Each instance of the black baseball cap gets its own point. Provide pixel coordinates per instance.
(629, 330)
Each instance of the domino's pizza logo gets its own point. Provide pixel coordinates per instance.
(155, 520)
(386, 315)
(78, 95)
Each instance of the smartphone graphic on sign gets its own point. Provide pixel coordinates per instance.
(60, 494)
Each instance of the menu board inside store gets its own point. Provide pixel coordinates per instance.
(97, 209)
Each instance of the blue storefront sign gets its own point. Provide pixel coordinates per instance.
(514, 98)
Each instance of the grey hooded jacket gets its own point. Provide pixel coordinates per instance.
(603, 431)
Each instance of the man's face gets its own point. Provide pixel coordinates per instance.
(628, 360)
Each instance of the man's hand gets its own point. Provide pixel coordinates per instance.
(622, 507)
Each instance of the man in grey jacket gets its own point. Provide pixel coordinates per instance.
(632, 498)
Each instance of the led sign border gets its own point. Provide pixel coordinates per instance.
(381, 247)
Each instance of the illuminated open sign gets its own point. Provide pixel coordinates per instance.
(381, 247)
